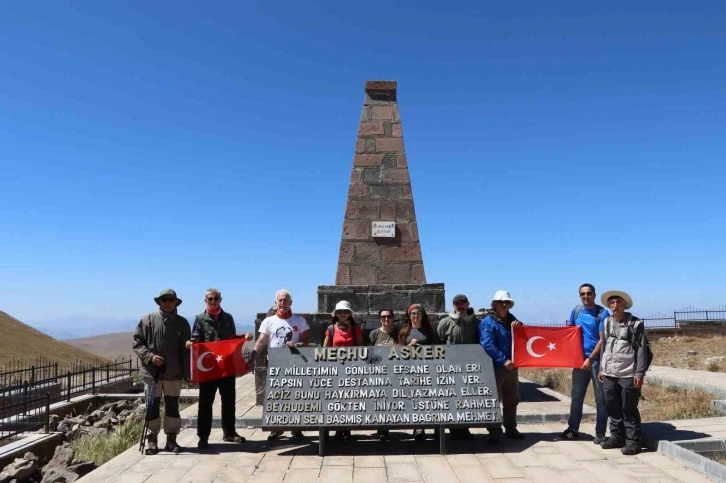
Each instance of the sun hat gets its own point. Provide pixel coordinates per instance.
(166, 293)
(616, 293)
(343, 305)
(502, 296)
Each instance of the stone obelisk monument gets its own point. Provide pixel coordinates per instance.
(380, 262)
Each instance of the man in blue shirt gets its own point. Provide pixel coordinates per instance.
(589, 317)
(496, 338)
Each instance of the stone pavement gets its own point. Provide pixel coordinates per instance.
(537, 459)
(714, 382)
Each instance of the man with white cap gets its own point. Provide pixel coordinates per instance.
(283, 329)
(496, 338)
(622, 369)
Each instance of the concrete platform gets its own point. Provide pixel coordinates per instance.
(536, 459)
(713, 382)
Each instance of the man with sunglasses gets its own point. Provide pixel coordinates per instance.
(496, 338)
(159, 342)
(283, 329)
(589, 317)
(210, 326)
(459, 327)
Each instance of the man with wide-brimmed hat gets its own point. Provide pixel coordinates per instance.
(459, 327)
(159, 341)
(496, 338)
(622, 369)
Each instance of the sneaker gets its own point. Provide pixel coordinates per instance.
(234, 438)
(151, 445)
(513, 434)
(567, 434)
(347, 436)
(630, 449)
(419, 435)
(599, 438)
(274, 436)
(298, 435)
(203, 443)
(612, 443)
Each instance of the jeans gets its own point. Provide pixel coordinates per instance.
(580, 380)
(621, 398)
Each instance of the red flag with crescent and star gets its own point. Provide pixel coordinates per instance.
(541, 347)
(215, 360)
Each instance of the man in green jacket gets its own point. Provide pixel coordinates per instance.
(459, 327)
(159, 341)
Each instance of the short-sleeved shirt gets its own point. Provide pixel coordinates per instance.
(280, 331)
(379, 337)
(346, 338)
(590, 325)
(418, 335)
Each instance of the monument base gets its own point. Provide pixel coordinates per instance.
(369, 299)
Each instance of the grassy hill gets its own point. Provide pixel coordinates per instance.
(111, 346)
(20, 342)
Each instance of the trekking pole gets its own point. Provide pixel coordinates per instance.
(149, 408)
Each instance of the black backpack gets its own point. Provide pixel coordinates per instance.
(600, 310)
(331, 329)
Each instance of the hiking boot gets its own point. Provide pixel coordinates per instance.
(233, 438)
(599, 438)
(630, 449)
(612, 443)
(151, 445)
(274, 436)
(513, 433)
(419, 435)
(203, 443)
(567, 435)
(171, 444)
(298, 435)
(383, 436)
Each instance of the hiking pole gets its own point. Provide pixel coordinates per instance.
(149, 408)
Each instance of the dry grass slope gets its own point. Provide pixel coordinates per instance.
(21, 342)
(110, 346)
(689, 352)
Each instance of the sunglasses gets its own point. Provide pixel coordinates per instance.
(168, 299)
(214, 299)
(589, 294)
(414, 314)
(503, 302)
(339, 312)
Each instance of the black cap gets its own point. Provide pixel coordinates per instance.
(460, 298)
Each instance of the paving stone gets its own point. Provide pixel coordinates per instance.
(369, 462)
(274, 463)
(473, 474)
(168, 475)
(501, 467)
(271, 476)
(131, 477)
(436, 469)
(400, 458)
(687, 476)
(233, 474)
(403, 472)
(338, 461)
(580, 450)
(336, 474)
(302, 475)
(544, 475)
(529, 458)
(369, 475)
(306, 462)
(463, 460)
(581, 476)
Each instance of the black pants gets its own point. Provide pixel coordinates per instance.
(621, 400)
(508, 388)
(207, 391)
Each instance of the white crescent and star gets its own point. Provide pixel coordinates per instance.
(200, 359)
(551, 346)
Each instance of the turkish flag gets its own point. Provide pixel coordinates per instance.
(534, 346)
(216, 360)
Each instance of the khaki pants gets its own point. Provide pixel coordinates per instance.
(508, 389)
(170, 391)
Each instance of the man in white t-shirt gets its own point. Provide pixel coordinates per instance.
(280, 330)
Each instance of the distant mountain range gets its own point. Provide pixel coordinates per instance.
(78, 327)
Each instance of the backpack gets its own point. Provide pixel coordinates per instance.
(600, 310)
(633, 337)
(331, 330)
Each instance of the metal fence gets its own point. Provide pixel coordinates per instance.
(671, 321)
(25, 386)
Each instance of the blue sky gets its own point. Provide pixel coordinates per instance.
(147, 145)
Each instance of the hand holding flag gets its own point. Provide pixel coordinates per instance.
(216, 360)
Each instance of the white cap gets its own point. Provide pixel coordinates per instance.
(343, 305)
(503, 296)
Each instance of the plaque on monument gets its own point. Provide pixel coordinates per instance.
(384, 229)
(380, 387)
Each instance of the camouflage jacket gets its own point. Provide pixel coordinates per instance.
(207, 330)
